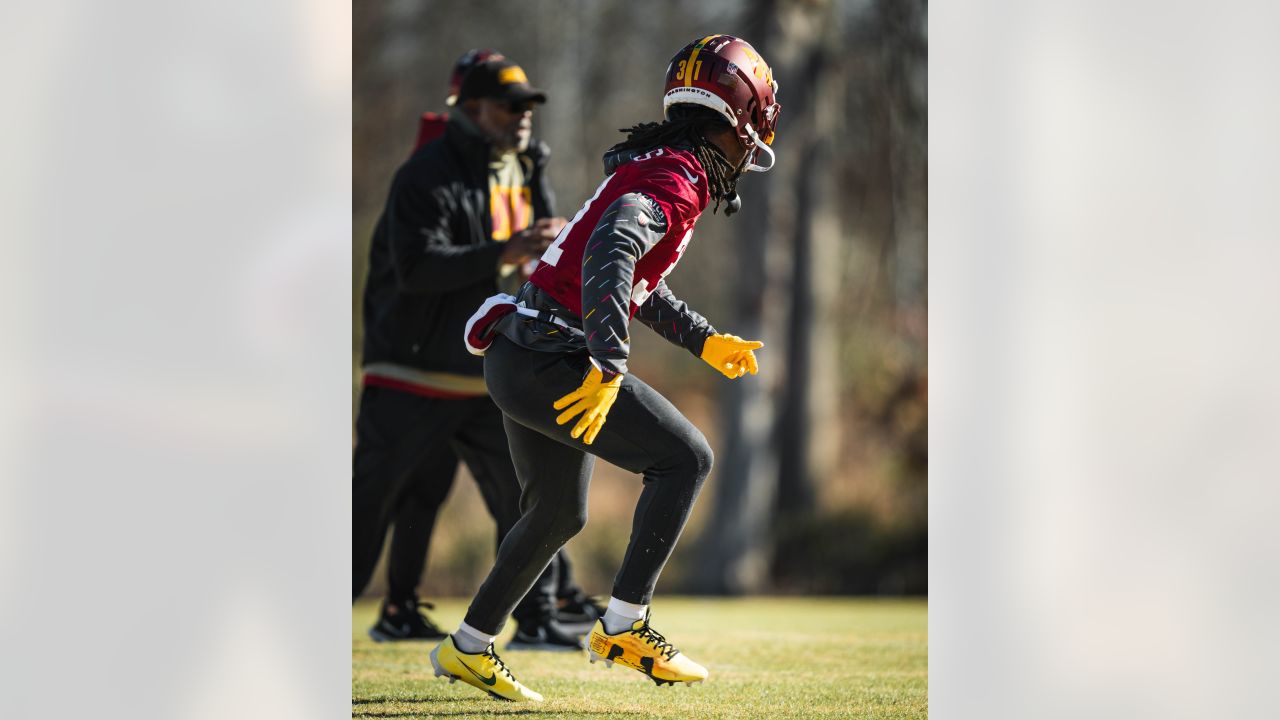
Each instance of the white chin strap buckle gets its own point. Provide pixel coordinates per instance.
(760, 146)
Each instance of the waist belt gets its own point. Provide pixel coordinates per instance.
(532, 301)
(543, 315)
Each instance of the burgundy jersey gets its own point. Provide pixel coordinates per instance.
(672, 178)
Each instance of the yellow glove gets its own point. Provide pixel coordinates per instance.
(593, 400)
(731, 355)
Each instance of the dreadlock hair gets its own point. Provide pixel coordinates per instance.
(689, 123)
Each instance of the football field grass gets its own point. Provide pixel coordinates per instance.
(768, 658)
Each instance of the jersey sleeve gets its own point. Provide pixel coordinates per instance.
(628, 228)
(671, 318)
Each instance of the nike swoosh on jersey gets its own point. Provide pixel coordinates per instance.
(492, 679)
(692, 178)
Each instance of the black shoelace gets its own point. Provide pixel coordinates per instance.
(654, 638)
(501, 666)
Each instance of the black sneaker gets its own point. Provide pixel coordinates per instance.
(405, 621)
(543, 634)
(579, 612)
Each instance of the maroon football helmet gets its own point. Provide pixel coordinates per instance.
(726, 74)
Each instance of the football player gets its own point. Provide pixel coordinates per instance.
(555, 361)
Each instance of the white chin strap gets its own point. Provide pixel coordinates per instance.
(760, 146)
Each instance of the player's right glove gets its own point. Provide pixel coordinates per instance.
(593, 400)
(731, 355)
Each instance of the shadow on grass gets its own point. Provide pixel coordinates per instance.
(432, 711)
(521, 711)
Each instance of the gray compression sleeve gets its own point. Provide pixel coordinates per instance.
(671, 318)
(628, 228)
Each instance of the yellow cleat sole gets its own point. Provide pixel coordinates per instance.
(595, 657)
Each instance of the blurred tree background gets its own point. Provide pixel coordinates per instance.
(820, 483)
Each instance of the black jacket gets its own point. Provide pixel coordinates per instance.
(433, 261)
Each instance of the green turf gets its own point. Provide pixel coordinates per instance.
(768, 657)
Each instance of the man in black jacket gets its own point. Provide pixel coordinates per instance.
(464, 217)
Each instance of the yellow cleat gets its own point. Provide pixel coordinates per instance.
(484, 671)
(643, 649)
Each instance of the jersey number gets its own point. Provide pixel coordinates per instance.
(641, 291)
(552, 254)
(649, 155)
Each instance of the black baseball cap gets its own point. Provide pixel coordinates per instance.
(499, 79)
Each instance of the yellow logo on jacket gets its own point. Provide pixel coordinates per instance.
(511, 210)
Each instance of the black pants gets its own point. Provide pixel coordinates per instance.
(644, 433)
(415, 520)
(402, 443)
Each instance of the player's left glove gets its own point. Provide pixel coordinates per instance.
(731, 355)
(593, 400)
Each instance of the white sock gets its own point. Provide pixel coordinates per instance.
(470, 641)
(621, 615)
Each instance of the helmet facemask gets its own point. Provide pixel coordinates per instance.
(758, 146)
(762, 144)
